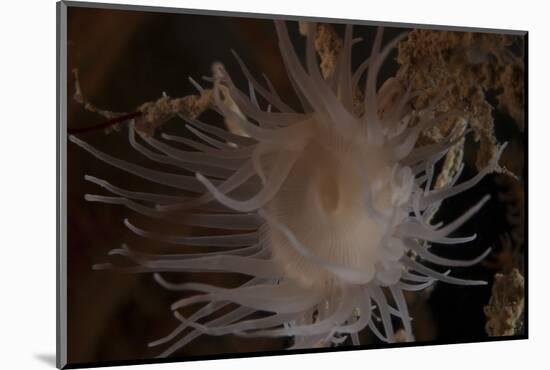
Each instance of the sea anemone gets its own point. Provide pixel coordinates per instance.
(328, 209)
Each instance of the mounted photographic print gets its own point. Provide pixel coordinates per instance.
(236, 185)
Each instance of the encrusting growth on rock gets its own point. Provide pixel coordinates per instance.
(150, 115)
(327, 44)
(505, 309)
(158, 112)
(466, 65)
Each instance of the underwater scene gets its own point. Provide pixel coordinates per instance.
(240, 185)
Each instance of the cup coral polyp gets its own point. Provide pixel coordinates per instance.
(333, 204)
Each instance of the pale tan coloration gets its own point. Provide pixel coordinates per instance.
(465, 64)
(505, 309)
(337, 226)
(154, 113)
(327, 44)
(157, 113)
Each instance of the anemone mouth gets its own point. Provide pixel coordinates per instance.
(329, 192)
(322, 203)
